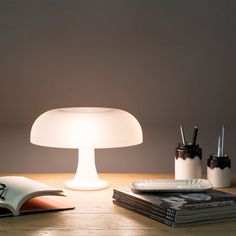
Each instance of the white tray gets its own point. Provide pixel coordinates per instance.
(172, 185)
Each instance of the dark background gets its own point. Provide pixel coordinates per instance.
(167, 62)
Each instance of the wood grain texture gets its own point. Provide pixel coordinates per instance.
(95, 214)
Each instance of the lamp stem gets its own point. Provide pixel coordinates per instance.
(86, 165)
(86, 177)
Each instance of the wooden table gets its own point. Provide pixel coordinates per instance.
(95, 214)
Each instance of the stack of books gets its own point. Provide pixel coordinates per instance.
(179, 209)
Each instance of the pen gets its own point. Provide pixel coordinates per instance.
(222, 141)
(195, 131)
(182, 135)
(219, 147)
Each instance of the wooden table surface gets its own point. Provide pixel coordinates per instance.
(95, 214)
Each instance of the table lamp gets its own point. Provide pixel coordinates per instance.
(86, 128)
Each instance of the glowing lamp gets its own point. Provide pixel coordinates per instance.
(86, 128)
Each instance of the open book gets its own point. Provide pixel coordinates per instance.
(20, 195)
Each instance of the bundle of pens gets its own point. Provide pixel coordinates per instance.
(219, 165)
(195, 132)
(188, 157)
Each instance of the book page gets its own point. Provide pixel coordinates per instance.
(5, 212)
(6, 209)
(19, 189)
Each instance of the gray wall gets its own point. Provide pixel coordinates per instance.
(166, 62)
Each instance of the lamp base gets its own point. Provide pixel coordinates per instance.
(86, 177)
(96, 185)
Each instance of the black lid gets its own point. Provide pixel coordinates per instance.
(188, 151)
(220, 162)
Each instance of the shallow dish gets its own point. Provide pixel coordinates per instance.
(172, 185)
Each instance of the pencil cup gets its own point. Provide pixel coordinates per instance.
(188, 161)
(219, 171)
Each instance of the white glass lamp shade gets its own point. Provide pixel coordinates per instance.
(86, 128)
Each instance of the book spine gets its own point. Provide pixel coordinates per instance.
(142, 207)
(145, 213)
(168, 214)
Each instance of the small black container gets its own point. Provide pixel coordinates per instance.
(219, 170)
(188, 161)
